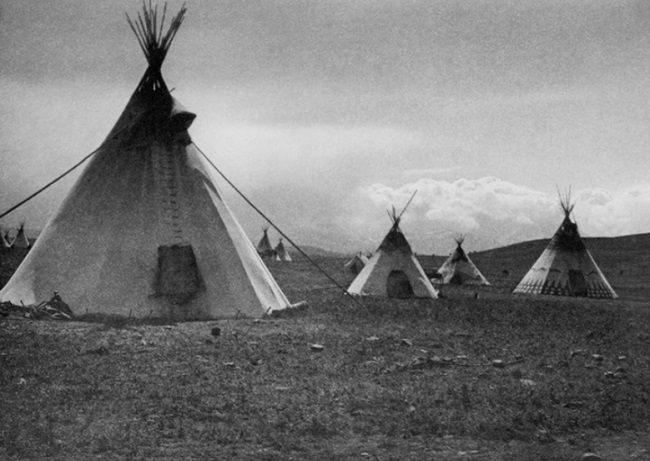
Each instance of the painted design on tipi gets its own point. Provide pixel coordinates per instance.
(393, 271)
(459, 269)
(565, 267)
(145, 232)
(281, 253)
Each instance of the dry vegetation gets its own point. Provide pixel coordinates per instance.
(395, 379)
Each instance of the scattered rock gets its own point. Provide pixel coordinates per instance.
(101, 350)
(574, 405)
(577, 352)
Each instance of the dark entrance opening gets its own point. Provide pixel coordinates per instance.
(577, 283)
(398, 285)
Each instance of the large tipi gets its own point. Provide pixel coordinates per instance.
(393, 271)
(145, 232)
(566, 267)
(459, 269)
(281, 253)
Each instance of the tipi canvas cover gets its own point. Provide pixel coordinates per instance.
(393, 271)
(458, 269)
(145, 232)
(566, 267)
(281, 253)
(264, 248)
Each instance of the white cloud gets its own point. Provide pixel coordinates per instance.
(496, 212)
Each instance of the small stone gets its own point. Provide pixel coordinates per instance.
(590, 457)
(372, 338)
(317, 347)
(406, 341)
(498, 363)
(622, 357)
(527, 382)
(597, 357)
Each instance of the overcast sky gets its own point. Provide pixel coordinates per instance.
(327, 113)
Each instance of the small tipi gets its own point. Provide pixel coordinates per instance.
(5, 243)
(20, 241)
(357, 263)
(264, 247)
(281, 253)
(145, 232)
(566, 267)
(393, 271)
(459, 269)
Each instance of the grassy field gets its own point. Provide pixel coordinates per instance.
(395, 379)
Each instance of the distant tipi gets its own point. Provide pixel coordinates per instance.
(145, 232)
(393, 271)
(357, 263)
(5, 241)
(264, 247)
(565, 267)
(459, 269)
(20, 240)
(281, 253)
